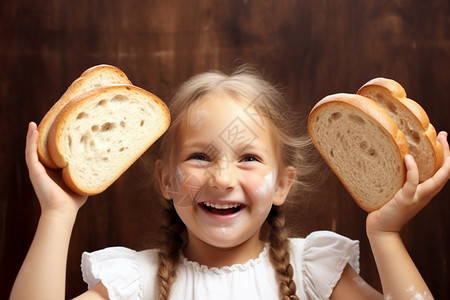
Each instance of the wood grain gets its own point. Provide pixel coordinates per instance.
(310, 48)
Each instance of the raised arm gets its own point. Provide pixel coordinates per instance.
(399, 276)
(43, 273)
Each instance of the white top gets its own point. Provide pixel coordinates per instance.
(318, 261)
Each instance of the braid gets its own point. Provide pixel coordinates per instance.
(171, 243)
(279, 254)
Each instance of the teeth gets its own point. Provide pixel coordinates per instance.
(221, 205)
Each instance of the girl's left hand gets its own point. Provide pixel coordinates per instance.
(412, 197)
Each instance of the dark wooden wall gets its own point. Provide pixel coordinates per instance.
(311, 48)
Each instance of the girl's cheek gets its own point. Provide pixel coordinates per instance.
(263, 194)
(185, 188)
(267, 187)
(179, 176)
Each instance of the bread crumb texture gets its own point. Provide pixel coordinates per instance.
(104, 137)
(361, 153)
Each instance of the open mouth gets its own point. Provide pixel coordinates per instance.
(222, 208)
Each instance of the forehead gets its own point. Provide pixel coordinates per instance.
(223, 108)
(229, 119)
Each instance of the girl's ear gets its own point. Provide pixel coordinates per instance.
(284, 184)
(163, 179)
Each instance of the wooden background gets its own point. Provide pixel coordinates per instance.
(310, 47)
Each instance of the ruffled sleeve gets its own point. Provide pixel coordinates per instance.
(325, 255)
(117, 268)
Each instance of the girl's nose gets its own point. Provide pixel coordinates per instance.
(221, 176)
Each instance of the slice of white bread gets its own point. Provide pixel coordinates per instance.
(362, 145)
(94, 77)
(411, 119)
(99, 135)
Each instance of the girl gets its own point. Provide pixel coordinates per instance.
(226, 167)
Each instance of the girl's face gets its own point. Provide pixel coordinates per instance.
(224, 174)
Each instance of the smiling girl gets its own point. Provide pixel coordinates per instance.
(226, 167)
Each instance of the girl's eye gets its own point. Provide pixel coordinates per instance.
(198, 156)
(250, 158)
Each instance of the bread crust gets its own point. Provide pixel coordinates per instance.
(394, 95)
(47, 121)
(428, 131)
(55, 138)
(375, 112)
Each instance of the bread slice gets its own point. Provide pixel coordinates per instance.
(362, 145)
(99, 135)
(411, 119)
(94, 77)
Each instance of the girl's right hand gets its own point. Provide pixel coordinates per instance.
(48, 185)
(412, 197)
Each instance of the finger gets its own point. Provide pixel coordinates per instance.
(443, 174)
(442, 138)
(31, 156)
(412, 176)
(31, 142)
(433, 185)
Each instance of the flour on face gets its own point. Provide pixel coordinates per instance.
(266, 191)
(198, 118)
(180, 176)
(268, 185)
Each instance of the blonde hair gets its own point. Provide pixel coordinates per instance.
(245, 84)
